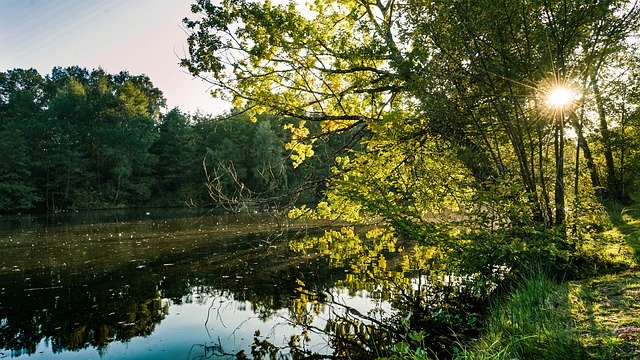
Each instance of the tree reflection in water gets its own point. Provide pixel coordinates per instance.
(351, 293)
(78, 312)
(72, 308)
(428, 307)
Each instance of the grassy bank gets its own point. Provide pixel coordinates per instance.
(533, 322)
(597, 317)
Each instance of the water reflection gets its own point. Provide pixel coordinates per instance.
(196, 287)
(135, 286)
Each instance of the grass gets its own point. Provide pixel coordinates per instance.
(606, 310)
(533, 322)
(596, 317)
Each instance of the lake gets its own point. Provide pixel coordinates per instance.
(162, 284)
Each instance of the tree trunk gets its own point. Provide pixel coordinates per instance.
(588, 156)
(612, 188)
(543, 182)
(559, 188)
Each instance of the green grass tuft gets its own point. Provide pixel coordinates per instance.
(532, 322)
(597, 317)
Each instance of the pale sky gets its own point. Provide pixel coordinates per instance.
(140, 36)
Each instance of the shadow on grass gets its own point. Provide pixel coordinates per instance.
(606, 311)
(626, 221)
(595, 318)
(609, 251)
(606, 307)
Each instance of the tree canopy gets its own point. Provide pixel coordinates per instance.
(450, 96)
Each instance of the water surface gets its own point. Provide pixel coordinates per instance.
(158, 285)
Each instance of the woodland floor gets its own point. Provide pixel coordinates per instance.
(606, 308)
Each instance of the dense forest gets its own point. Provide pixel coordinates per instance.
(80, 139)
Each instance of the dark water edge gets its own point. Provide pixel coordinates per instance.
(156, 285)
(97, 216)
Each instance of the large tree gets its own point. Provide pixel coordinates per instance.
(102, 128)
(433, 85)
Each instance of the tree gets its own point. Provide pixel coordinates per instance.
(79, 139)
(467, 77)
(179, 166)
(140, 105)
(76, 139)
(64, 168)
(17, 191)
(245, 163)
(22, 96)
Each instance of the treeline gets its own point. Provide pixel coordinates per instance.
(79, 139)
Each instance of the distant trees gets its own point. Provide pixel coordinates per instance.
(177, 165)
(22, 99)
(83, 136)
(246, 163)
(78, 139)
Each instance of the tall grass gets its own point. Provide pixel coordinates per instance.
(532, 322)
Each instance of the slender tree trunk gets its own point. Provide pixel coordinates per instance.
(527, 177)
(588, 156)
(576, 181)
(516, 138)
(623, 150)
(46, 190)
(115, 199)
(593, 171)
(532, 165)
(612, 188)
(623, 188)
(543, 182)
(559, 188)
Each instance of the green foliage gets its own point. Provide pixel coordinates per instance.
(434, 308)
(247, 164)
(17, 191)
(178, 170)
(79, 139)
(442, 105)
(427, 76)
(85, 137)
(459, 153)
(21, 95)
(516, 249)
(261, 348)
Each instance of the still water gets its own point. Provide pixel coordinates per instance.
(160, 285)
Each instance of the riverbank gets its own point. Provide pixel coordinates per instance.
(595, 317)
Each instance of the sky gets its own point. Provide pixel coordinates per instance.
(140, 36)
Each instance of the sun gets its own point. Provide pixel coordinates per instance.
(561, 97)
